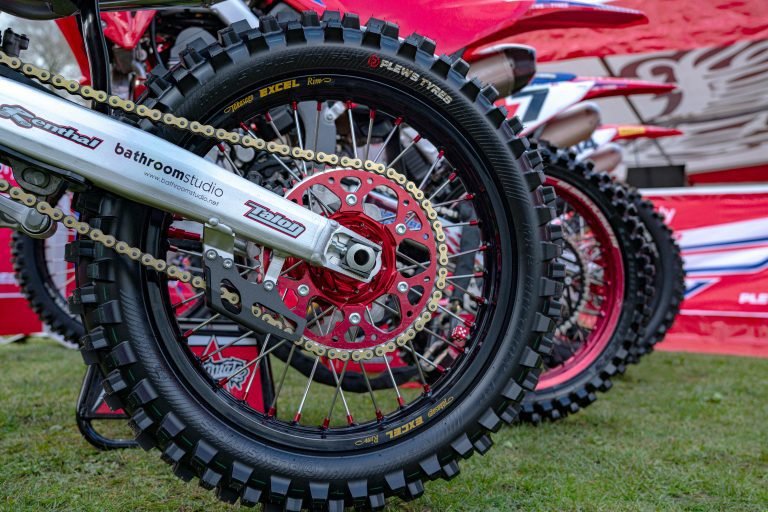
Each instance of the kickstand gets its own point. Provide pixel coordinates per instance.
(7, 340)
(91, 406)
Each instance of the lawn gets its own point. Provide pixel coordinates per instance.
(679, 432)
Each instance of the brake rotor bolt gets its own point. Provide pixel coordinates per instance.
(354, 318)
(402, 287)
(351, 199)
(400, 229)
(228, 263)
(211, 254)
(303, 290)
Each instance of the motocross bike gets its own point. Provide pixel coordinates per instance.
(597, 339)
(348, 263)
(140, 41)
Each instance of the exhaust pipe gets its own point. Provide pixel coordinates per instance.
(572, 126)
(607, 158)
(508, 70)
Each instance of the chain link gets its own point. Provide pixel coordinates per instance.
(74, 88)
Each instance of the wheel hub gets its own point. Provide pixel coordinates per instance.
(350, 318)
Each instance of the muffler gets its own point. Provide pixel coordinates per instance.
(508, 69)
(571, 127)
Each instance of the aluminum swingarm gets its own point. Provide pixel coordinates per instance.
(344, 252)
(134, 164)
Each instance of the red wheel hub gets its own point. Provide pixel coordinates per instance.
(348, 314)
(340, 289)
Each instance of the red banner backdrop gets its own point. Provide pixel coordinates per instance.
(723, 233)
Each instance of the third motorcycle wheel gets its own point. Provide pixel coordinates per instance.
(607, 292)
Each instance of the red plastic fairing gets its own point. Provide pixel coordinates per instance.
(606, 87)
(71, 32)
(454, 24)
(546, 15)
(125, 29)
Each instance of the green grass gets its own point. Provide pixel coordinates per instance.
(679, 432)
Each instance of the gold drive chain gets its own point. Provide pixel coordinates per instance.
(73, 87)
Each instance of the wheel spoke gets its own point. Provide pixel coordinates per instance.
(226, 346)
(397, 123)
(295, 108)
(352, 129)
(371, 118)
(377, 411)
(400, 401)
(192, 331)
(297, 417)
(415, 141)
(431, 169)
(273, 407)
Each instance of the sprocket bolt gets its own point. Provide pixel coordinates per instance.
(351, 199)
(354, 318)
(303, 290)
(400, 229)
(402, 287)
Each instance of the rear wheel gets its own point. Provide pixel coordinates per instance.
(313, 446)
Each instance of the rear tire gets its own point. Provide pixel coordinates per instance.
(246, 459)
